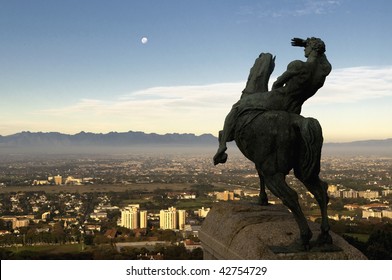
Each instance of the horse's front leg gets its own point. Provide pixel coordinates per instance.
(263, 199)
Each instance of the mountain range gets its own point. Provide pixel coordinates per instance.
(55, 140)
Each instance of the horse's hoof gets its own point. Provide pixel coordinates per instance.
(323, 239)
(305, 239)
(263, 202)
(220, 158)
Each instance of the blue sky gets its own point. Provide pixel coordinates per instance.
(69, 66)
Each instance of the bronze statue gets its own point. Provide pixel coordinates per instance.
(269, 131)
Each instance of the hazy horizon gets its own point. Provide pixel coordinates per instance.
(155, 150)
(168, 133)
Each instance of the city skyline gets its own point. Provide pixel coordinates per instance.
(177, 67)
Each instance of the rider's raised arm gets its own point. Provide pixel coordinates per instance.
(298, 42)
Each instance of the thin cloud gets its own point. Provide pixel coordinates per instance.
(202, 108)
(212, 96)
(342, 86)
(317, 7)
(276, 9)
(355, 84)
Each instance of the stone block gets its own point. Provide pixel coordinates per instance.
(238, 230)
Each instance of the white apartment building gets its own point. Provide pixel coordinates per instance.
(350, 194)
(132, 217)
(168, 218)
(172, 218)
(368, 194)
(181, 219)
(387, 214)
(143, 219)
(366, 214)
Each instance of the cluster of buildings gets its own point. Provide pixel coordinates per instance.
(377, 213)
(18, 221)
(372, 210)
(334, 191)
(368, 211)
(181, 195)
(59, 180)
(224, 196)
(55, 180)
(133, 217)
(236, 194)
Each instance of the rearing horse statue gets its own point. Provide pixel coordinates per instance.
(269, 130)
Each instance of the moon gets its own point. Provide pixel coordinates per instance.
(144, 40)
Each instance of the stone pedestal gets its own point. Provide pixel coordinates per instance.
(237, 230)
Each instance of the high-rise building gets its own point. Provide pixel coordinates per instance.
(172, 218)
(143, 219)
(168, 218)
(181, 219)
(132, 217)
(129, 218)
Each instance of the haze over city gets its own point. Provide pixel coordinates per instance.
(175, 66)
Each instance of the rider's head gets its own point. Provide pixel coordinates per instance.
(316, 44)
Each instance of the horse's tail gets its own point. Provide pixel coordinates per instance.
(312, 142)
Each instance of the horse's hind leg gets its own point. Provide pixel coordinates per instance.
(263, 199)
(319, 189)
(277, 185)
